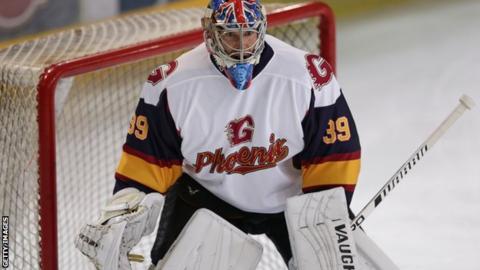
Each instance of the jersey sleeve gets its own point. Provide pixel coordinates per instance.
(331, 156)
(151, 155)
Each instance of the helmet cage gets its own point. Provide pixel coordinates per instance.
(228, 41)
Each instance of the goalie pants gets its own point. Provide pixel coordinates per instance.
(186, 196)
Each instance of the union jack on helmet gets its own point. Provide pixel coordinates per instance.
(240, 19)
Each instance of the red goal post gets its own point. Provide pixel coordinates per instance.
(47, 87)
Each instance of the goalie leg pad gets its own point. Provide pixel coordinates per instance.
(319, 231)
(128, 216)
(208, 242)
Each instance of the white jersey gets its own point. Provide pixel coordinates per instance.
(252, 148)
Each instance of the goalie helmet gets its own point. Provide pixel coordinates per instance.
(234, 32)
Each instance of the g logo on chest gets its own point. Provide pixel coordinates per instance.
(240, 130)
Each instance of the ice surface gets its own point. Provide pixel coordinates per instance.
(403, 73)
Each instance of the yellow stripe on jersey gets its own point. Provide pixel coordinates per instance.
(331, 173)
(151, 175)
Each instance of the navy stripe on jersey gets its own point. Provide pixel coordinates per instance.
(163, 141)
(151, 155)
(316, 125)
(331, 156)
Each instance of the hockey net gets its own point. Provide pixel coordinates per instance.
(65, 105)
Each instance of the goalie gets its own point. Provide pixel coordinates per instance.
(237, 125)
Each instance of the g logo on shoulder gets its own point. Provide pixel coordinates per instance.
(161, 72)
(319, 69)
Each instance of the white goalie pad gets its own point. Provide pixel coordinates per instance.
(208, 242)
(370, 255)
(319, 231)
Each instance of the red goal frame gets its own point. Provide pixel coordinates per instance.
(52, 74)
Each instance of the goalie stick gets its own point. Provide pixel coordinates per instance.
(466, 102)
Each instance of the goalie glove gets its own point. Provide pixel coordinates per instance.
(128, 216)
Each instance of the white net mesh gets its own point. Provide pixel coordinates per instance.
(92, 115)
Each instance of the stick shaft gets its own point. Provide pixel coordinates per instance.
(411, 162)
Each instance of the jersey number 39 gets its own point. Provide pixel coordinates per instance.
(138, 127)
(337, 130)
